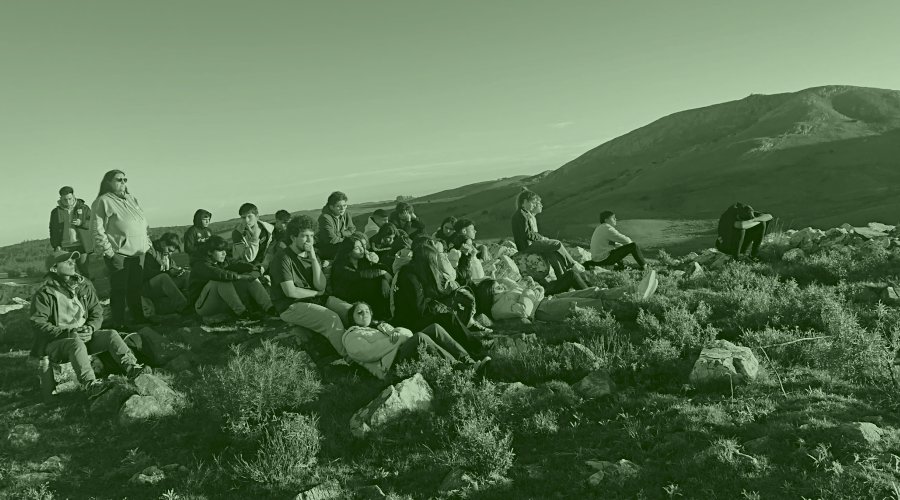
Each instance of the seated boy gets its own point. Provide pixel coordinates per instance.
(741, 228)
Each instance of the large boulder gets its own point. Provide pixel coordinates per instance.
(411, 395)
(723, 363)
(141, 408)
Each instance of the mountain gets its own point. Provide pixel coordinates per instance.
(820, 156)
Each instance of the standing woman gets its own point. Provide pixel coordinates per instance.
(120, 235)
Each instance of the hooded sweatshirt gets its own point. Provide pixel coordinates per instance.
(333, 228)
(60, 306)
(255, 245)
(606, 238)
(196, 235)
(204, 270)
(119, 226)
(65, 234)
(372, 348)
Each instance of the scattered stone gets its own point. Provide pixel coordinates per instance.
(890, 296)
(793, 255)
(23, 435)
(325, 491)
(612, 471)
(869, 233)
(883, 228)
(153, 386)
(695, 270)
(411, 395)
(690, 257)
(52, 464)
(722, 362)
(808, 236)
(595, 385)
(579, 254)
(455, 480)
(372, 492)
(149, 476)
(862, 432)
(578, 351)
(141, 408)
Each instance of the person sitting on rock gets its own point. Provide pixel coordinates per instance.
(357, 276)
(67, 316)
(404, 217)
(161, 273)
(299, 286)
(529, 240)
(506, 299)
(376, 221)
(198, 233)
(219, 287)
(609, 246)
(378, 346)
(741, 228)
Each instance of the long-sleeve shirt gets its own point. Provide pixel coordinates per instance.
(254, 245)
(347, 279)
(118, 226)
(58, 309)
(194, 237)
(333, 228)
(606, 238)
(524, 228)
(205, 270)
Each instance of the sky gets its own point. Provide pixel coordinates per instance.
(211, 103)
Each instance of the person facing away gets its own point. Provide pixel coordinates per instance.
(121, 236)
(335, 224)
(404, 217)
(252, 238)
(378, 219)
(198, 233)
(529, 240)
(161, 273)
(67, 316)
(298, 286)
(609, 246)
(70, 227)
(740, 229)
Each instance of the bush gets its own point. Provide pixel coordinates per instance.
(286, 454)
(252, 389)
(682, 329)
(532, 362)
(479, 447)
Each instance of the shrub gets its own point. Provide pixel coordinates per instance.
(286, 454)
(681, 328)
(532, 362)
(542, 422)
(254, 387)
(479, 447)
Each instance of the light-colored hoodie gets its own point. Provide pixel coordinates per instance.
(118, 226)
(605, 238)
(373, 348)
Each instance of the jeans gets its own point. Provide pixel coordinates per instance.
(165, 294)
(617, 254)
(126, 287)
(556, 308)
(231, 296)
(437, 342)
(555, 252)
(79, 353)
(327, 320)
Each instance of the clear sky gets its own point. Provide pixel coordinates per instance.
(213, 103)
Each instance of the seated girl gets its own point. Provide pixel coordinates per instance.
(464, 258)
(379, 346)
(506, 299)
(356, 275)
(386, 243)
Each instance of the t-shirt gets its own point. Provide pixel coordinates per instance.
(288, 266)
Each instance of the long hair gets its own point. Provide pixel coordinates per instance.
(352, 311)
(484, 296)
(463, 271)
(387, 229)
(106, 183)
(426, 262)
(524, 196)
(342, 256)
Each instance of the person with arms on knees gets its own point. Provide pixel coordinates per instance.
(357, 276)
(609, 246)
(220, 287)
(162, 276)
(740, 229)
(120, 233)
(298, 286)
(335, 224)
(376, 221)
(386, 243)
(198, 233)
(529, 240)
(70, 227)
(378, 346)
(404, 217)
(253, 238)
(67, 317)
(445, 232)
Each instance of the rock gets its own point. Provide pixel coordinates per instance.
(10, 307)
(151, 385)
(695, 270)
(793, 255)
(577, 352)
(23, 435)
(149, 476)
(759, 445)
(712, 259)
(890, 296)
(690, 257)
(511, 393)
(111, 400)
(678, 273)
(722, 362)
(325, 491)
(595, 385)
(616, 472)
(806, 237)
(180, 363)
(883, 228)
(455, 480)
(141, 408)
(372, 492)
(870, 233)
(865, 433)
(579, 254)
(52, 464)
(411, 395)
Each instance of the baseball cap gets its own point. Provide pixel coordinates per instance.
(60, 256)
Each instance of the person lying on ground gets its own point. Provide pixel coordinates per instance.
(356, 276)
(378, 346)
(609, 246)
(67, 317)
(335, 224)
(741, 229)
(163, 279)
(198, 233)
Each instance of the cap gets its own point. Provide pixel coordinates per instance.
(60, 256)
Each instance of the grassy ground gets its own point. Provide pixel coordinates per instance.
(788, 435)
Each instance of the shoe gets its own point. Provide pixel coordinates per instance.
(578, 267)
(484, 320)
(481, 364)
(648, 285)
(96, 387)
(137, 370)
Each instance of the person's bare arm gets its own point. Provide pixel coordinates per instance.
(293, 291)
(747, 224)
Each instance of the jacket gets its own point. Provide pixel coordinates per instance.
(524, 229)
(605, 238)
(252, 246)
(58, 218)
(413, 228)
(58, 309)
(204, 270)
(417, 301)
(371, 228)
(372, 348)
(333, 228)
(348, 279)
(118, 226)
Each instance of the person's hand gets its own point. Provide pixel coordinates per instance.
(266, 280)
(372, 257)
(76, 222)
(84, 333)
(386, 328)
(310, 249)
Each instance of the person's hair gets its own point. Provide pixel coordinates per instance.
(525, 196)
(201, 214)
(283, 215)
(380, 213)
(388, 229)
(353, 308)
(335, 197)
(426, 261)
(215, 243)
(451, 219)
(606, 214)
(169, 240)
(345, 247)
(403, 207)
(106, 183)
(484, 296)
(298, 224)
(66, 190)
(248, 208)
(462, 224)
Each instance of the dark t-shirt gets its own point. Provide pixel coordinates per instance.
(288, 266)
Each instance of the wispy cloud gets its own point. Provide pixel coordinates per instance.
(559, 125)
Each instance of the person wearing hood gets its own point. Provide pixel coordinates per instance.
(253, 239)
(70, 227)
(67, 317)
(378, 219)
(121, 235)
(404, 217)
(335, 223)
(160, 274)
(198, 233)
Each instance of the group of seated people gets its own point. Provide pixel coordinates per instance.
(376, 295)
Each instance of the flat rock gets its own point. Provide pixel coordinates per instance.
(724, 362)
(595, 385)
(862, 432)
(141, 408)
(411, 395)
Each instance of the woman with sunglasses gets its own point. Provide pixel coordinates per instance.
(120, 233)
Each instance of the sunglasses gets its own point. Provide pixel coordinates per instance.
(121, 179)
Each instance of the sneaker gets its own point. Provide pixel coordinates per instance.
(137, 370)
(648, 285)
(481, 364)
(96, 387)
